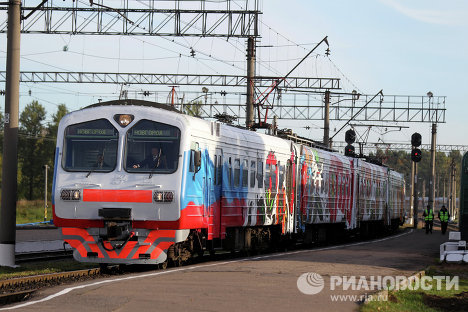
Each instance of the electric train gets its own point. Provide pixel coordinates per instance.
(208, 185)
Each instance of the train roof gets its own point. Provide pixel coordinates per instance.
(232, 132)
(136, 103)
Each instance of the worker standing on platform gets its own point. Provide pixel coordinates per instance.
(428, 218)
(443, 217)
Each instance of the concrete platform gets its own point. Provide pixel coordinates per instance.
(268, 282)
(37, 239)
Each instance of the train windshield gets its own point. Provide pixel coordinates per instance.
(152, 147)
(90, 146)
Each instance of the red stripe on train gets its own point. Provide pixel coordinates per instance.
(119, 196)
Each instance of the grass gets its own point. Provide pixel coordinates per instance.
(43, 267)
(28, 211)
(428, 300)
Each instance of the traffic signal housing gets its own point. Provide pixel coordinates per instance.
(416, 139)
(416, 155)
(349, 150)
(350, 136)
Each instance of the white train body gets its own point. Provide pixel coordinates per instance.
(210, 183)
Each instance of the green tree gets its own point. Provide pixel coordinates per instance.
(1, 132)
(30, 154)
(49, 142)
(193, 109)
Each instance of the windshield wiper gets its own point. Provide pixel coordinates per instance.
(97, 165)
(91, 171)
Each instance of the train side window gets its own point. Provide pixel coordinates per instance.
(220, 169)
(281, 175)
(229, 173)
(267, 176)
(236, 172)
(273, 176)
(260, 173)
(194, 148)
(215, 170)
(245, 173)
(192, 162)
(253, 171)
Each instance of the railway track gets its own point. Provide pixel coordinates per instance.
(40, 256)
(22, 288)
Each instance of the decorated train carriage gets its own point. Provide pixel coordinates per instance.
(326, 188)
(138, 182)
(241, 179)
(396, 199)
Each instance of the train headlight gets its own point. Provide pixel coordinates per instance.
(158, 196)
(163, 196)
(168, 197)
(67, 194)
(123, 119)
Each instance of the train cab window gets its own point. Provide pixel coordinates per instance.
(152, 147)
(253, 170)
(236, 172)
(245, 173)
(90, 146)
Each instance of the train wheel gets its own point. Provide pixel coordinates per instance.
(163, 266)
(104, 268)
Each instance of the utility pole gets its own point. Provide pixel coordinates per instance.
(250, 81)
(416, 197)
(445, 193)
(412, 193)
(326, 120)
(10, 142)
(452, 198)
(454, 212)
(46, 168)
(433, 154)
(424, 194)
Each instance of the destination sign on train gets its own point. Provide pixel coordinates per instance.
(84, 131)
(152, 132)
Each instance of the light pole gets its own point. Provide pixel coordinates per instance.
(46, 168)
(433, 147)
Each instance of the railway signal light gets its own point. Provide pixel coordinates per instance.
(416, 155)
(416, 139)
(350, 136)
(349, 150)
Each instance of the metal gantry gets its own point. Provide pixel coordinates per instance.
(292, 104)
(405, 146)
(148, 18)
(171, 79)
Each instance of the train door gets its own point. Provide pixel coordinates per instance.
(388, 201)
(207, 185)
(216, 187)
(291, 176)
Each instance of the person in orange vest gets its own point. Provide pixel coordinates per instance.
(428, 218)
(443, 217)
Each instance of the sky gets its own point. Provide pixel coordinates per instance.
(406, 47)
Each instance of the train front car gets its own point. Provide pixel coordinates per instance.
(117, 182)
